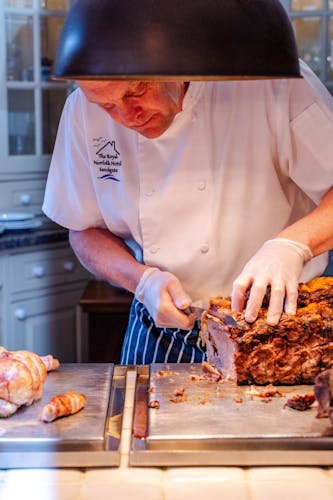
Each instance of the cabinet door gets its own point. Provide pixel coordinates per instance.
(32, 100)
(45, 325)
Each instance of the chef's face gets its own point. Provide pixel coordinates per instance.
(147, 107)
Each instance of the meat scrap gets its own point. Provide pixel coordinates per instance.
(165, 373)
(323, 391)
(154, 404)
(210, 371)
(178, 396)
(196, 378)
(177, 399)
(267, 391)
(293, 352)
(63, 405)
(238, 399)
(301, 402)
(22, 377)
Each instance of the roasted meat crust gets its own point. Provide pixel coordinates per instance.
(293, 352)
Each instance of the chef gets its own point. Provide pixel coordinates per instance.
(180, 191)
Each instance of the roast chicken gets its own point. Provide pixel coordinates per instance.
(22, 377)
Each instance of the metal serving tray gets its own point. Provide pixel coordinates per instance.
(88, 438)
(221, 424)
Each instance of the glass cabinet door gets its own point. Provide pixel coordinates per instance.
(21, 122)
(313, 24)
(32, 100)
(309, 35)
(306, 5)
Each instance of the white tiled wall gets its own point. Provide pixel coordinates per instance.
(183, 483)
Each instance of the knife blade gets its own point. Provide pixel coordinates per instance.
(197, 310)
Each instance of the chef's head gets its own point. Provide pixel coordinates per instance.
(144, 106)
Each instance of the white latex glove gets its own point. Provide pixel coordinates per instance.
(164, 297)
(278, 263)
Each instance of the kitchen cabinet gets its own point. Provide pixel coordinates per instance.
(40, 290)
(35, 326)
(39, 286)
(30, 102)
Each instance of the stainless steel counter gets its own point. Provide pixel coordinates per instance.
(90, 437)
(198, 422)
(201, 422)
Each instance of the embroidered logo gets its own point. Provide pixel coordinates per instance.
(107, 159)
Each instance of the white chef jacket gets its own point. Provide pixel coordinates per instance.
(240, 162)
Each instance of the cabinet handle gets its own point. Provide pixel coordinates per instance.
(20, 313)
(25, 199)
(69, 265)
(39, 271)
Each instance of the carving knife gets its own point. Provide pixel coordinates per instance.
(197, 309)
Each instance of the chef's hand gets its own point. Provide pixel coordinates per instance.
(164, 297)
(278, 264)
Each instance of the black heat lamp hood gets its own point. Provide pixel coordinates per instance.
(176, 40)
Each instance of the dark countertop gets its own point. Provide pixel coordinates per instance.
(57, 234)
(32, 237)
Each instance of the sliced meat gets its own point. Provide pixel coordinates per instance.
(293, 352)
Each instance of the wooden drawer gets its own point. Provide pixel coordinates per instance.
(41, 269)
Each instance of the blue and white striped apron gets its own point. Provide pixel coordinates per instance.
(145, 343)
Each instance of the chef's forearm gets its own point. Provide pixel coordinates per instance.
(106, 256)
(316, 228)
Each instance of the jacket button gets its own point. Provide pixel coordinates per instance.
(204, 248)
(202, 185)
(154, 249)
